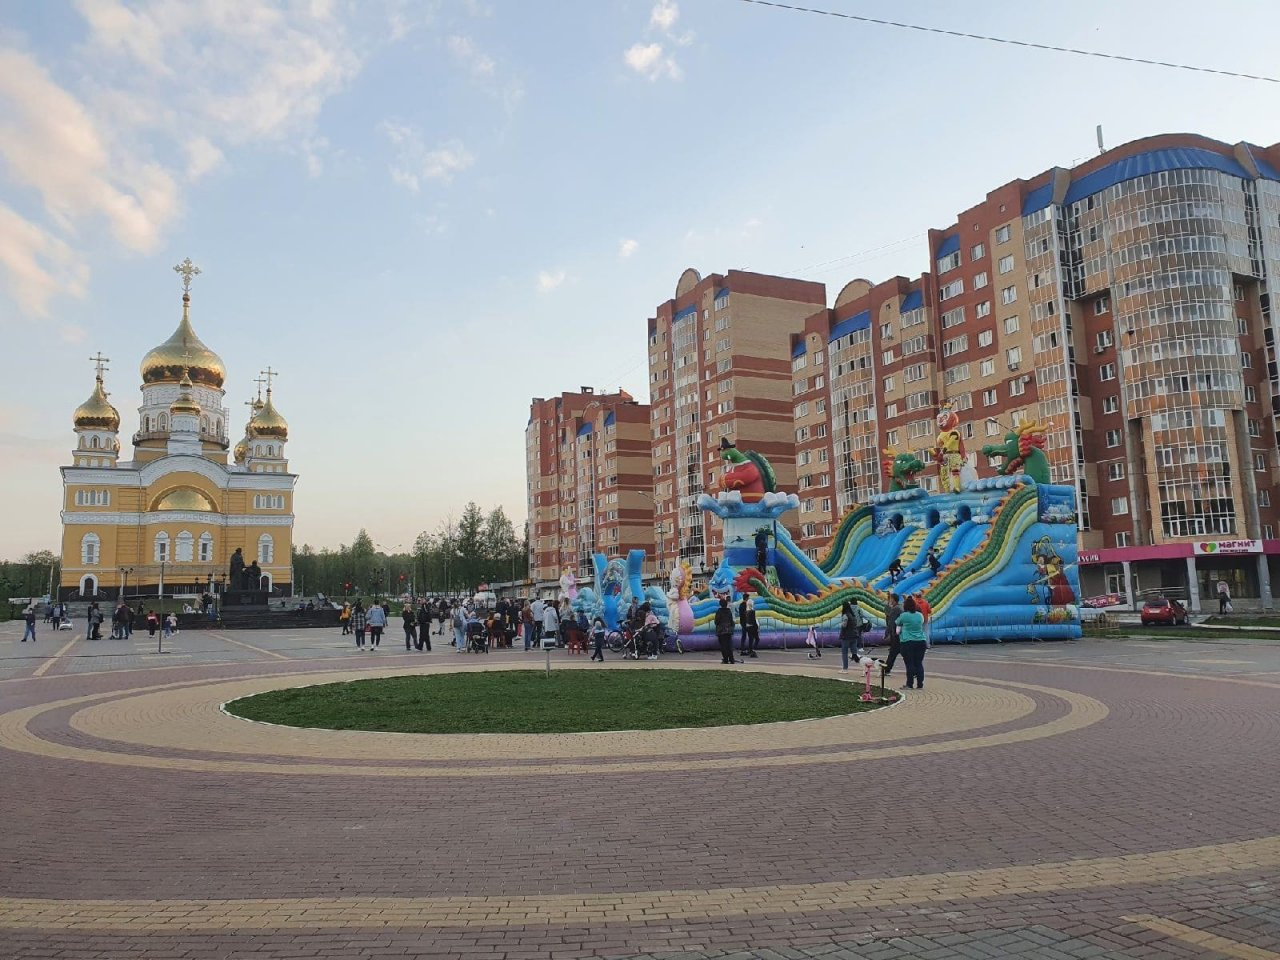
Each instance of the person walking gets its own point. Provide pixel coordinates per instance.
(153, 621)
(344, 618)
(912, 643)
(410, 627)
(459, 628)
(750, 625)
(850, 634)
(742, 625)
(88, 621)
(598, 632)
(1224, 597)
(358, 624)
(29, 616)
(128, 621)
(891, 613)
(724, 630)
(377, 620)
(424, 626)
(96, 618)
(538, 610)
(551, 619)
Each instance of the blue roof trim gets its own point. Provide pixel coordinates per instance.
(722, 292)
(684, 314)
(949, 246)
(609, 419)
(859, 321)
(798, 350)
(584, 429)
(1140, 165)
(912, 301)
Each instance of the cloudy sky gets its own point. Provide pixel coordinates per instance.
(424, 213)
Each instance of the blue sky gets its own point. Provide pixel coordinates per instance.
(424, 214)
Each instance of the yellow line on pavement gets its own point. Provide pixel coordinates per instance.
(250, 646)
(1203, 939)
(41, 670)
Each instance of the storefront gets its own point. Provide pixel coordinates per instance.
(1188, 571)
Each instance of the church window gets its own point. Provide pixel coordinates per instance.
(90, 550)
(271, 450)
(89, 586)
(204, 424)
(148, 426)
(217, 427)
(206, 547)
(186, 547)
(162, 547)
(266, 549)
(82, 443)
(164, 421)
(94, 443)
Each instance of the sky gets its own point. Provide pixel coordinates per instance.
(425, 213)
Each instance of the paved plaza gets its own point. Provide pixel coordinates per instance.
(1096, 799)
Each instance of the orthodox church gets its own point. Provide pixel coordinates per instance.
(170, 519)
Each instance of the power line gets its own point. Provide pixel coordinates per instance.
(1015, 43)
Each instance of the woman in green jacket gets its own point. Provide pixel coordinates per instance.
(911, 636)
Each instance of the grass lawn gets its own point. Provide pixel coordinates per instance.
(569, 701)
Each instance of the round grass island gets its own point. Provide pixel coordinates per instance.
(566, 701)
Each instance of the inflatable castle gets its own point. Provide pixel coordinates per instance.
(1003, 553)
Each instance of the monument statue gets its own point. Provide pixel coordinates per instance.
(236, 579)
(253, 577)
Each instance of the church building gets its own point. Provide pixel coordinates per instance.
(170, 519)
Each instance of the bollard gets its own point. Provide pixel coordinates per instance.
(866, 691)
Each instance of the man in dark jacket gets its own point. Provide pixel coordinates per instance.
(891, 612)
(424, 626)
(724, 630)
(750, 625)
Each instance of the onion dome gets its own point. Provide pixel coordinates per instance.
(241, 451)
(183, 350)
(97, 412)
(184, 403)
(267, 421)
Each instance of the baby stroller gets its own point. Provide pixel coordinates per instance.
(477, 637)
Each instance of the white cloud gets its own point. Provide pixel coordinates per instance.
(414, 162)
(664, 15)
(73, 334)
(627, 247)
(37, 264)
(549, 280)
(470, 56)
(202, 157)
(651, 62)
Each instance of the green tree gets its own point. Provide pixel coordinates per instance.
(471, 545)
(363, 562)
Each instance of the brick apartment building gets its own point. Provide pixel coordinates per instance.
(590, 480)
(1127, 301)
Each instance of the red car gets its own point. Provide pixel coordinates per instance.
(1163, 610)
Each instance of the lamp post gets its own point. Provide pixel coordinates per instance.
(161, 590)
(124, 581)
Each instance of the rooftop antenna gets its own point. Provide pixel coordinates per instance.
(1101, 147)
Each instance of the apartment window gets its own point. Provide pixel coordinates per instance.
(1246, 359)
(1009, 295)
(1017, 386)
(953, 318)
(949, 262)
(1242, 326)
(1268, 531)
(952, 289)
(1264, 498)
(1239, 291)
(1104, 339)
(1255, 428)
(1113, 438)
(1107, 372)
(1101, 306)
(989, 397)
(1260, 462)
(1111, 404)
(988, 367)
(887, 357)
(826, 504)
(888, 384)
(1115, 471)
(891, 410)
(1002, 234)
(1119, 506)
(985, 338)
(891, 438)
(980, 280)
(955, 345)
(800, 362)
(994, 428)
(1122, 539)
(886, 331)
(1005, 264)
(802, 410)
(977, 251)
(983, 309)
(1011, 324)
(913, 373)
(802, 434)
(1013, 357)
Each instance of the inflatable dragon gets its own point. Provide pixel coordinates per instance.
(1022, 451)
(901, 469)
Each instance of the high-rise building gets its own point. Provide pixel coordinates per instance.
(718, 368)
(590, 481)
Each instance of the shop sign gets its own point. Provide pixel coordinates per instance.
(1205, 548)
(1089, 556)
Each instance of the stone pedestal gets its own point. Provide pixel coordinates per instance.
(241, 599)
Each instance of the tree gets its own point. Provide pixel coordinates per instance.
(471, 544)
(363, 561)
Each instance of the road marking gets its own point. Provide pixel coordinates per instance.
(41, 670)
(1203, 939)
(250, 646)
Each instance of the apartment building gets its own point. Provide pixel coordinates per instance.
(590, 481)
(719, 367)
(1126, 301)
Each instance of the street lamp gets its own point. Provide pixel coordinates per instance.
(124, 580)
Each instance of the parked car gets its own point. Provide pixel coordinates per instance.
(1164, 610)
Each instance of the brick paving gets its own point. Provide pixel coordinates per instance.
(1087, 800)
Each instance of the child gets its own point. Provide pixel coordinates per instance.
(170, 625)
(597, 639)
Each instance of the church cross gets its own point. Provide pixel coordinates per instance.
(270, 375)
(187, 270)
(100, 363)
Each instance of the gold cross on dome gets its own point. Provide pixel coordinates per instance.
(259, 381)
(100, 363)
(270, 375)
(187, 270)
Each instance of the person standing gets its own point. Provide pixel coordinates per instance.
(891, 614)
(344, 618)
(358, 624)
(29, 615)
(459, 628)
(526, 624)
(551, 620)
(750, 625)
(88, 620)
(598, 632)
(724, 630)
(410, 627)
(128, 621)
(377, 620)
(742, 625)
(539, 609)
(912, 643)
(153, 621)
(762, 550)
(926, 611)
(850, 634)
(424, 626)
(1224, 596)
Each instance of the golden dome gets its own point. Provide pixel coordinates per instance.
(97, 412)
(184, 349)
(267, 421)
(241, 452)
(184, 498)
(184, 403)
